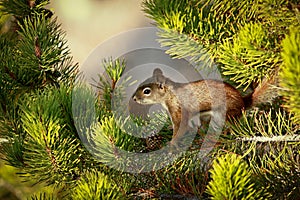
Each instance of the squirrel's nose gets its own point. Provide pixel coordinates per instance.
(134, 98)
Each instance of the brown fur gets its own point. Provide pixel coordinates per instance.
(183, 100)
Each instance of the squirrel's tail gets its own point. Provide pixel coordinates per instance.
(266, 92)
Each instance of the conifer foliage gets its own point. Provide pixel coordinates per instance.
(250, 41)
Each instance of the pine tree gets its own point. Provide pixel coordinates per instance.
(257, 157)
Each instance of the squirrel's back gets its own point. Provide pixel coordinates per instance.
(198, 96)
(205, 95)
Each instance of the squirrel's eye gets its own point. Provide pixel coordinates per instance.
(147, 91)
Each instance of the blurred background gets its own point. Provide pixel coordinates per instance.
(89, 22)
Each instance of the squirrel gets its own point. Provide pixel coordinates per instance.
(183, 100)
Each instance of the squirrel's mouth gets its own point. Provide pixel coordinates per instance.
(140, 101)
(136, 99)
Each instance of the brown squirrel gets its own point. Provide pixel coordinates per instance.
(183, 100)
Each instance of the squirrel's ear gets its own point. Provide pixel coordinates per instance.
(157, 72)
(158, 76)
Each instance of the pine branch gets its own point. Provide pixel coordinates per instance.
(43, 42)
(232, 179)
(23, 8)
(280, 138)
(182, 46)
(272, 126)
(187, 176)
(42, 196)
(282, 177)
(279, 15)
(35, 56)
(50, 152)
(290, 73)
(39, 57)
(270, 142)
(206, 22)
(250, 56)
(107, 83)
(96, 185)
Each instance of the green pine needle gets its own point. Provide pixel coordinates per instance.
(249, 57)
(290, 73)
(96, 185)
(232, 179)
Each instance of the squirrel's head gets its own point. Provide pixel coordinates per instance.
(152, 90)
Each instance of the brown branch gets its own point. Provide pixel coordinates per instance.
(48, 149)
(11, 74)
(37, 48)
